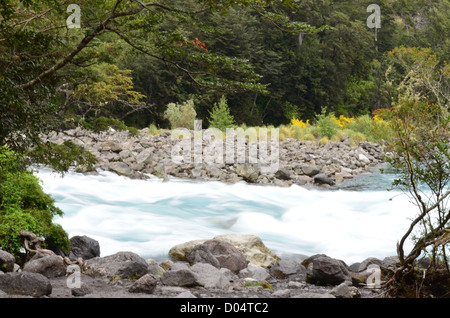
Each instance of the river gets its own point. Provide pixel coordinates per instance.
(359, 219)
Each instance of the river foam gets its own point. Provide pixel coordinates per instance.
(148, 217)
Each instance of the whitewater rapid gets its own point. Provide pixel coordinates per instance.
(149, 217)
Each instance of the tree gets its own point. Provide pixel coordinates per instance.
(220, 116)
(39, 51)
(421, 149)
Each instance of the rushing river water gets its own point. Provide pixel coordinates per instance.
(359, 220)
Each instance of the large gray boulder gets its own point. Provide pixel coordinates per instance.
(324, 270)
(119, 265)
(26, 284)
(146, 284)
(49, 266)
(180, 277)
(84, 247)
(7, 261)
(227, 255)
(289, 268)
(121, 168)
(180, 251)
(322, 178)
(202, 254)
(212, 277)
(249, 172)
(252, 247)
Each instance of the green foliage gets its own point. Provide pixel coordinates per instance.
(104, 123)
(181, 115)
(24, 206)
(220, 116)
(327, 126)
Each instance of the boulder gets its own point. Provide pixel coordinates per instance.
(345, 291)
(322, 178)
(283, 174)
(252, 247)
(202, 254)
(180, 277)
(227, 255)
(368, 261)
(146, 284)
(121, 168)
(154, 268)
(249, 172)
(83, 290)
(212, 277)
(119, 265)
(288, 269)
(26, 284)
(255, 272)
(180, 251)
(84, 247)
(310, 170)
(7, 261)
(324, 270)
(49, 266)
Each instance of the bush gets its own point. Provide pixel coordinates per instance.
(220, 116)
(25, 206)
(103, 124)
(327, 124)
(181, 115)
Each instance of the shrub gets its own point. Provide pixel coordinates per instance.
(327, 124)
(104, 123)
(181, 115)
(323, 141)
(220, 116)
(363, 125)
(25, 206)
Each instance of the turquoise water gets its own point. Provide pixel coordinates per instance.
(359, 219)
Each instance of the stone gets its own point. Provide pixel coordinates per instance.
(288, 269)
(324, 270)
(202, 254)
(49, 266)
(249, 172)
(119, 265)
(84, 247)
(283, 174)
(181, 278)
(7, 261)
(179, 251)
(252, 247)
(146, 284)
(154, 268)
(310, 170)
(227, 255)
(313, 295)
(210, 276)
(255, 272)
(83, 290)
(322, 178)
(26, 284)
(121, 168)
(368, 261)
(186, 294)
(345, 291)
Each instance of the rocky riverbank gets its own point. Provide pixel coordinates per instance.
(227, 266)
(299, 162)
